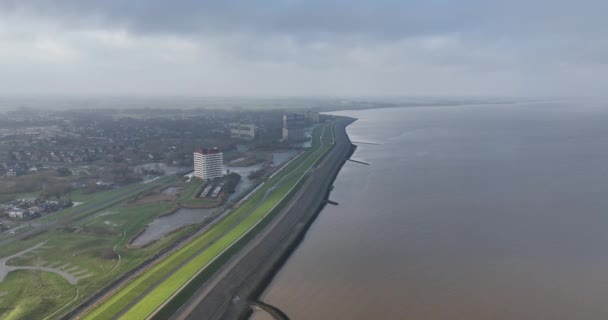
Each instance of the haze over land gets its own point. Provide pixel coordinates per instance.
(302, 48)
(189, 159)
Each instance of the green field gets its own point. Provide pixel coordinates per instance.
(191, 189)
(188, 196)
(163, 280)
(31, 294)
(79, 196)
(92, 248)
(102, 201)
(106, 199)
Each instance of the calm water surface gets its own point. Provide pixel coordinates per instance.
(164, 225)
(473, 212)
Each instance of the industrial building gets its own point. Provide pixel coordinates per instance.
(312, 116)
(242, 130)
(19, 214)
(293, 127)
(208, 163)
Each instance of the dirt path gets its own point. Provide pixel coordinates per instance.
(4, 269)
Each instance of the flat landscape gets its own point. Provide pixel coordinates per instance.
(234, 291)
(149, 291)
(93, 251)
(188, 160)
(56, 263)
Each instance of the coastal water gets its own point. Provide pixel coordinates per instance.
(467, 212)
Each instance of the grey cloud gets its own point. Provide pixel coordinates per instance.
(309, 47)
(383, 18)
(378, 19)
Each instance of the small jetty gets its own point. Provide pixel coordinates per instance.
(358, 161)
(273, 311)
(363, 142)
(332, 202)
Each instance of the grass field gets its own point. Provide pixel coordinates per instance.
(92, 249)
(107, 199)
(188, 196)
(101, 201)
(176, 270)
(191, 189)
(79, 196)
(33, 294)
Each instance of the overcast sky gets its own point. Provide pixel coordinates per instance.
(301, 48)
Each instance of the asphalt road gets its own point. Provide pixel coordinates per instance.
(244, 274)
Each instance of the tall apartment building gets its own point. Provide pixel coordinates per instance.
(208, 163)
(293, 127)
(242, 130)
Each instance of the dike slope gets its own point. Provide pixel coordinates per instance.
(230, 293)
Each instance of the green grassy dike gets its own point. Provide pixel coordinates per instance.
(165, 279)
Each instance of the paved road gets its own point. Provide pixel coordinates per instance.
(241, 276)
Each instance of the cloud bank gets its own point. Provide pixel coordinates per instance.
(300, 48)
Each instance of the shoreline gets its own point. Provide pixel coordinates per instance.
(244, 277)
(289, 247)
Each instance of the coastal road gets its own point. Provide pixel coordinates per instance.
(227, 295)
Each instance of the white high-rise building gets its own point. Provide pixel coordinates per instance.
(208, 163)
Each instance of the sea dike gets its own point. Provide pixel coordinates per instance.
(231, 292)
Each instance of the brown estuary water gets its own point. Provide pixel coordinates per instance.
(466, 212)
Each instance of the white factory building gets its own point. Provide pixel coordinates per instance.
(293, 127)
(208, 163)
(242, 130)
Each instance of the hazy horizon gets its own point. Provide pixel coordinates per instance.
(322, 103)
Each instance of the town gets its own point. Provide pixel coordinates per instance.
(93, 196)
(51, 160)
